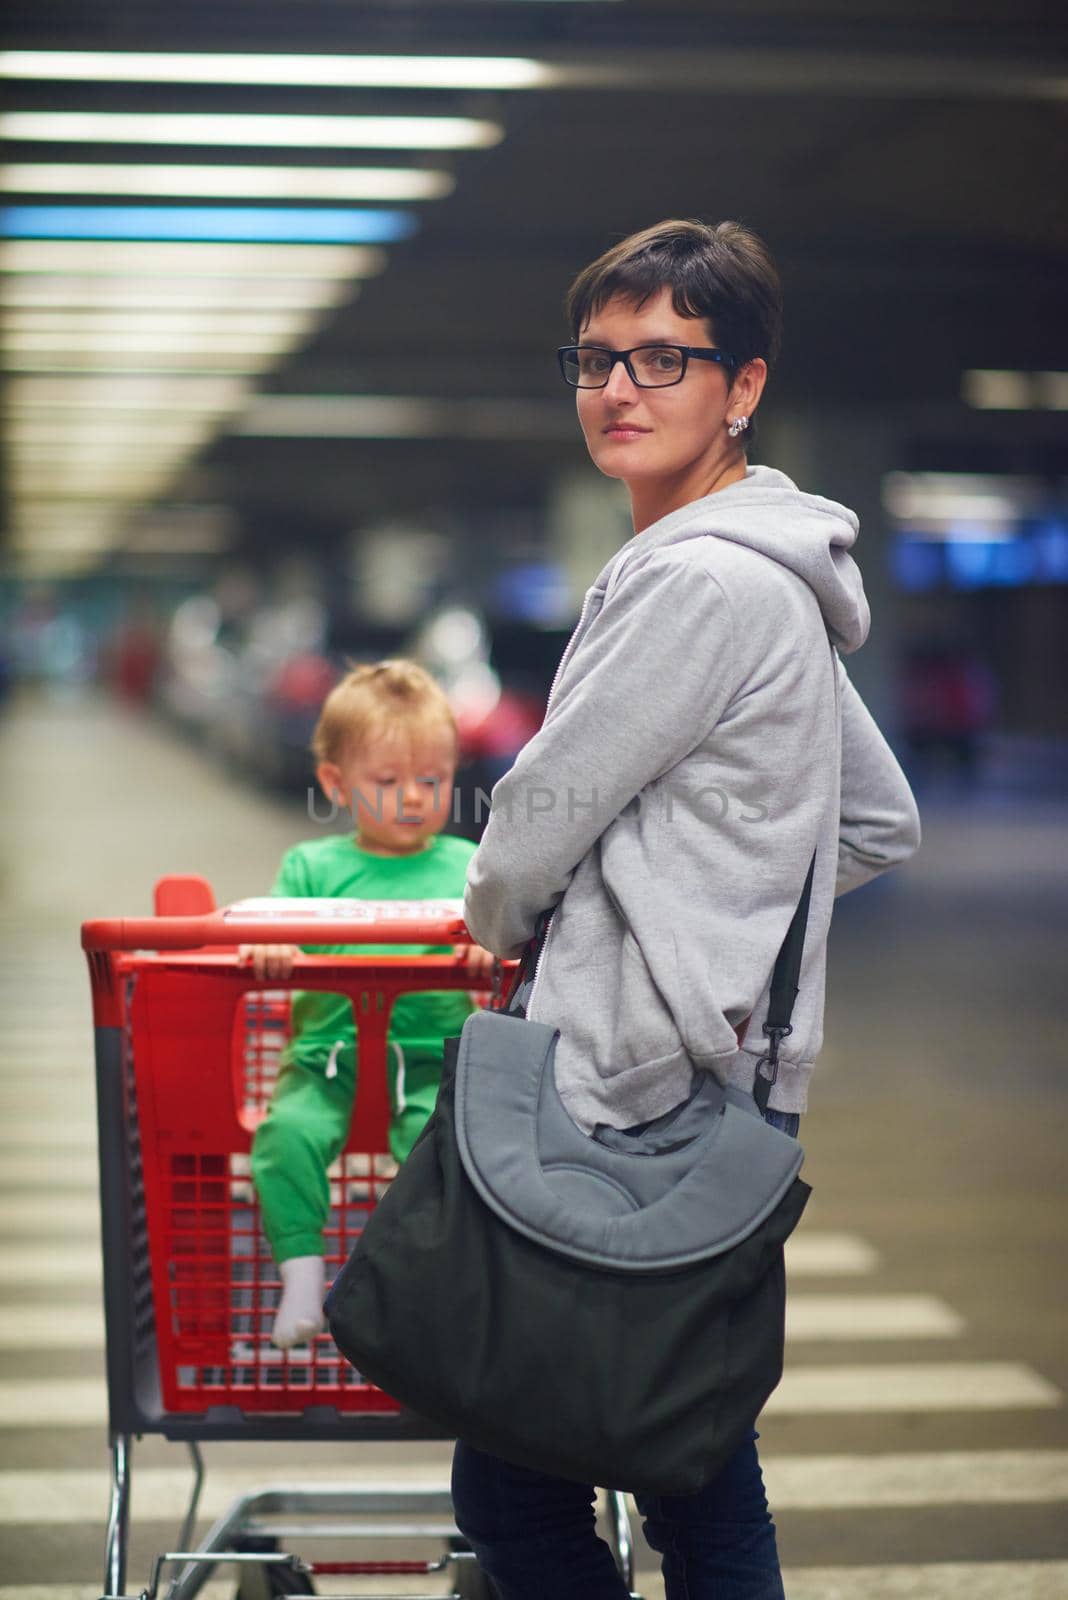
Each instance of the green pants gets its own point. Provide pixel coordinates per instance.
(305, 1130)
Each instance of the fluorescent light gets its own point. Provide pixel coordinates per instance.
(210, 260)
(63, 526)
(312, 71)
(160, 538)
(997, 391)
(73, 455)
(113, 484)
(229, 129)
(77, 445)
(199, 363)
(177, 394)
(988, 389)
(383, 416)
(255, 224)
(961, 506)
(204, 349)
(1052, 390)
(54, 322)
(96, 430)
(254, 183)
(81, 291)
(139, 341)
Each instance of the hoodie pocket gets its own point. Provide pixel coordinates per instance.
(596, 987)
(645, 1029)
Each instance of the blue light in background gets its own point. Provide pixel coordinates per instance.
(1038, 554)
(916, 564)
(533, 591)
(1051, 552)
(969, 563)
(1013, 563)
(232, 224)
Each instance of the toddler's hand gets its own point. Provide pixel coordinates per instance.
(269, 961)
(479, 962)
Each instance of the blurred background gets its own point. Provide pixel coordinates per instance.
(280, 291)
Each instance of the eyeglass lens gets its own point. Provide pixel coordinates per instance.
(653, 366)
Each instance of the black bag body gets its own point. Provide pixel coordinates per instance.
(605, 1311)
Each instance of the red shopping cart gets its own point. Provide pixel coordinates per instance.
(188, 1044)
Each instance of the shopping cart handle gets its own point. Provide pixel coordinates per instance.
(287, 921)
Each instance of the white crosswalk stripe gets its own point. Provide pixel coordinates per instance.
(813, 1318)
(44, 1098)
(31, 1265)
(21, 1169)
(44, 1327)
(950, 1580)
(221, 1589)
(804, 1391)
(863, 1316)
(912, 1386)
(47, 1133)
(58, 1215)
(795, 1483)
(829, 1255)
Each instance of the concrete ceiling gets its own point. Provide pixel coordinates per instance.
(905, 160)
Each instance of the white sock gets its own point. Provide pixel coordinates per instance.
(300, 1311)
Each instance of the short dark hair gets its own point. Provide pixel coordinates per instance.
(722, 272)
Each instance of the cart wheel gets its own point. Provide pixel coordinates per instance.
(267, 1582)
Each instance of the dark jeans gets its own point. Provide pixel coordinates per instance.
(535, 1537)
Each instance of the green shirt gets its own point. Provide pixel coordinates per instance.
(335, 867)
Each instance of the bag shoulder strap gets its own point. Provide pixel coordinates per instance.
(783, 994)
(784, 987)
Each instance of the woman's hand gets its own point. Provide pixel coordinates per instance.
(269, 961)
(479, 962)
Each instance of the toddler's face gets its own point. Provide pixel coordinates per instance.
(398, 787)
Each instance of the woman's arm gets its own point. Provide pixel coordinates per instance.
(657, 670)
(879, 824)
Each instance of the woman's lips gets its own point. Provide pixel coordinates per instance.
(624, 430)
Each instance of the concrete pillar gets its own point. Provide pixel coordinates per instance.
(588, 521)
(844, 456)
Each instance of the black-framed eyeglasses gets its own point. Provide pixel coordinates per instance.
(650, 366)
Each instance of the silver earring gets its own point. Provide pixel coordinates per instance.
(738, 426)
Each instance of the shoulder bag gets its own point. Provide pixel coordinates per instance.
(605, 1308)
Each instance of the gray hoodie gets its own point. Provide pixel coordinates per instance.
(701, 741)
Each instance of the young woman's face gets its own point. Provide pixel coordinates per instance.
(672, 433)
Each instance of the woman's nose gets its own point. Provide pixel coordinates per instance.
(620, 385)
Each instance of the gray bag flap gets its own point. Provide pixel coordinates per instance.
(543, 1176)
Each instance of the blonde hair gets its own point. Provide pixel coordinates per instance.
(374, 699)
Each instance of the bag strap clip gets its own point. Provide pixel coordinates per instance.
(763, 1082)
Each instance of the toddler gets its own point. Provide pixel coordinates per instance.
(385, 747)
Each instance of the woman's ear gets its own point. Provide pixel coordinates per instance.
(748, 386)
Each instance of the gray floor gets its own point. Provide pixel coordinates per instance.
(919, 1442)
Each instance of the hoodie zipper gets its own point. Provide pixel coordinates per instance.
(569, 648)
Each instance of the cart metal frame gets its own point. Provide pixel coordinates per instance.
(269, 1513)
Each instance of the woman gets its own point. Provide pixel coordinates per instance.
(702, 740)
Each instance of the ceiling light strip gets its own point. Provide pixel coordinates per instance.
(244, 182)
(239, 224)
(79, 294)
(204, 259)
(260, 69)
(230, 129)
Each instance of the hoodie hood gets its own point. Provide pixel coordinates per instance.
(766, 511)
